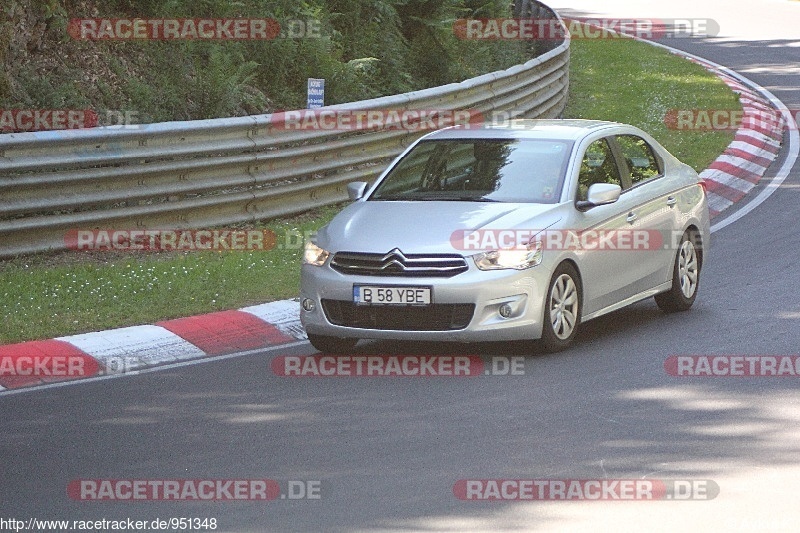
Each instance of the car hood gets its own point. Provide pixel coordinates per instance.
(426, 227)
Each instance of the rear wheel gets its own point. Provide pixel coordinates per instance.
(685, 277)
(327, 344)
(562, 310)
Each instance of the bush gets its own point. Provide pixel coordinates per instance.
(367, 49)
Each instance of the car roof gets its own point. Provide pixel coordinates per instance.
(566, 129)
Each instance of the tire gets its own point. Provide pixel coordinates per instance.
(562, 311)
(685, 277)
(327, 344)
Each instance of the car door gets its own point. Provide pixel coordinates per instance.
(654, 210)
(609, 275)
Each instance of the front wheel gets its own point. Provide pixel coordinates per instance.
(562, 311)
(327, 344)
(685, 278)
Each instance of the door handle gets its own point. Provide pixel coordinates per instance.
(631, 217)
(671, 201)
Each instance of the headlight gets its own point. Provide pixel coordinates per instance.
(314, 255)
(510, 259)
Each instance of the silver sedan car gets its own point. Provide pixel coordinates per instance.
(507, 233)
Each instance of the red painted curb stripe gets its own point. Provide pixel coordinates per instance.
(36, 362)
(770, 130)
(733, 170)
(757, 143)
(758, 160)
(729, 193)
(759, 105)
(226, 332)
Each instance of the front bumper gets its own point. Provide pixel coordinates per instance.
(524, 291)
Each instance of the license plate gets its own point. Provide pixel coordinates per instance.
(379, 295)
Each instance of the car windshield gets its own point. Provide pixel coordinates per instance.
(479, 170)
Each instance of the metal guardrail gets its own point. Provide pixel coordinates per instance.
(206, 173)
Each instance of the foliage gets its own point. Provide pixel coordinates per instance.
(363, 49)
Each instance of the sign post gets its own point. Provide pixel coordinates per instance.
(316, 93)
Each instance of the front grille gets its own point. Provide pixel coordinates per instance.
(434, 317)
(396, 263)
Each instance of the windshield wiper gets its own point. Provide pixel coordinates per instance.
(462, 199)
(392, 197)
(410, 198)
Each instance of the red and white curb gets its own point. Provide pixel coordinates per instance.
(129, 349)
(747, 149)
(755, 145)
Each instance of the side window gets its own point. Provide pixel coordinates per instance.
(597, 166)
(639, 157)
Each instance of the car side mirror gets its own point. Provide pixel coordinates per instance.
(600, 194)
(356, 190)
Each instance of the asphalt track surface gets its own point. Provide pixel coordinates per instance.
(388, 451)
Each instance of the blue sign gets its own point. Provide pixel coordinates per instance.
(316, 93)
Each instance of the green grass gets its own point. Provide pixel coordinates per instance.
(65, 293)
(636, 83)
(45, 296)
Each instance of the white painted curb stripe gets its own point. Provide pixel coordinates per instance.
(744, 164)
(759, 104)
(718, 203)
(731, 181)
(759, 138)
(750, 149)
(135, 346)
(284, 315)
